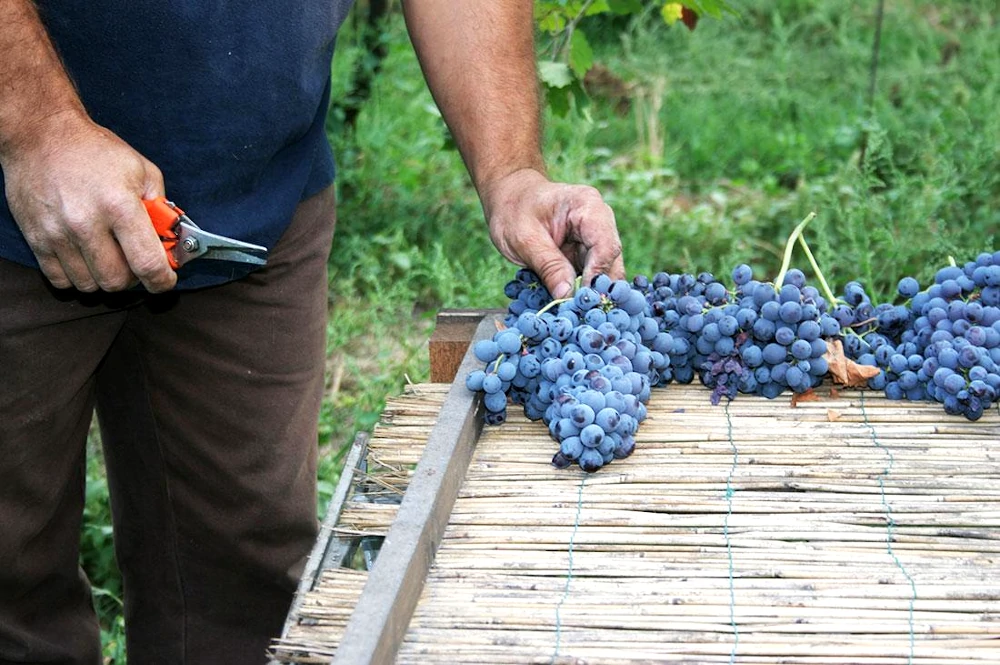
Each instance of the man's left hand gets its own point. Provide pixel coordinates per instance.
(557, 230)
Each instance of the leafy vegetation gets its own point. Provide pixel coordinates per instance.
(566, 55)
(710, 145)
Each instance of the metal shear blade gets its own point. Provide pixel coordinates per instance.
(194, 242)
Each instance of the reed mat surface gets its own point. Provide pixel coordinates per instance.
(849, 529)
(393, 450)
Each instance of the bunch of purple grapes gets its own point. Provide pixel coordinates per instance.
(583, 366)
(752, 339)
(586, 365)
(943, 345)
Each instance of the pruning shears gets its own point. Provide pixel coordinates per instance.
(184, 240)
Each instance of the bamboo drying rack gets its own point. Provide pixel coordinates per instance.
(850, 529)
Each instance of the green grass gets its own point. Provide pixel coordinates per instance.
(732, 134)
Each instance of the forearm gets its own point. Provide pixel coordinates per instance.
(479, 62)
(34, 86)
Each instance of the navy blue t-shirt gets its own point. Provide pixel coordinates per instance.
(228, 99)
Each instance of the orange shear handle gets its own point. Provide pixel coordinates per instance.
(164, 216)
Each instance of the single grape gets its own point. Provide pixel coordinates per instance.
(742, 274)
(486, 350)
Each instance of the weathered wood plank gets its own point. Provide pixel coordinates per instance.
(383, 612)
(453, 330)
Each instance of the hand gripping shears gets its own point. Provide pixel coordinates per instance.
(184, 240)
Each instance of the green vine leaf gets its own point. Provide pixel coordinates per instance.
(549, 19)
(597, 7)
(561, 100)
(565, 52)
(581, 55)
(554, 74)
(713, 8)
(625, 6)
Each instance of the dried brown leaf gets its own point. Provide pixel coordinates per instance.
(808, 396)
(845, 371)
(689, 17)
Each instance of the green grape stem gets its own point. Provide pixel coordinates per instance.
(786, 258)
(827, 292)
(556, 303)
(798, 237)
(496, 363)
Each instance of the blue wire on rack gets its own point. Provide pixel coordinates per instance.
(725, 532)
(569, 568)
(890, 522)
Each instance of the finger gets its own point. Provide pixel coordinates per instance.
(50, 250)
(54, 272)
(77, 270)
(108, 265)
(92, 257)
(603, 258)
(599, 245)
(618, 269)
(143, 250)
(549, 263)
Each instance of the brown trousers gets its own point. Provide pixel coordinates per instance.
(208, 403)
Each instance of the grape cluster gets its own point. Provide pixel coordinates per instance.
(943, 345)
(582, 365)
(586, 365)
(752, 339)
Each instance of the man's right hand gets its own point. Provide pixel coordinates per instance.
(76, 189)
(73, 187)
